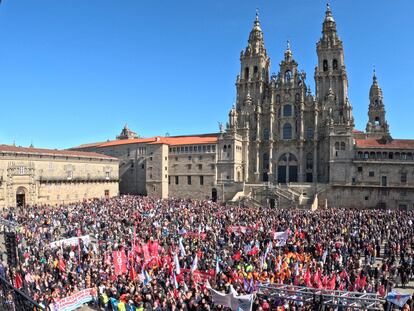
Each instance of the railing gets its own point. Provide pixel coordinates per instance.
(43, 179)
(13, 299)
(321, 298)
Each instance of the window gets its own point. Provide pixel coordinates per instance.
(246, 73)
(189, 158)
(342, 146)
(70, 174)
(189, 180)
(309, 161)
(169, 180)
(255, 69)
(200, 166)
(371, 174)
(107, 175)
(334, 64)
(228, 177)
(366, 198)
(128, 152)
(278, 99)
(213, 166)
(150, 158)
(189, 166)
(265, 134)
(337, 146)
(287, 110)
(309, 133)
(287, 131)
(106, 192)
(21, 170)
(325, 65)
(288, 75)
(297, 98)
(201, 180)
(142, 166)
(359, 169)
(403, 178)
(176, 180)
(165, 168)
(384, 181)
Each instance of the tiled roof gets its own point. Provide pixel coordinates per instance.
(380, 144)
(186, 140)
(170, 140)
(357, 131)
(53, 152)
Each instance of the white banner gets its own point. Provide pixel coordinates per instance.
(75, 301)
(232, 300)
(71, 241)
(281, 237)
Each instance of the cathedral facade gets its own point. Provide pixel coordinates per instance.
(281, 141)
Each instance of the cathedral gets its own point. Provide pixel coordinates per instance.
(281, 144)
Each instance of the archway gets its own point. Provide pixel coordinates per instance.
(21, 197)
(287, 168)
(214, 195)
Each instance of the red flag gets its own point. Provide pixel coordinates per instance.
(18, 281)
(253, 251)
(317, 280)
(363, 282)
(62, 265)
(237, 256)
(132, 273)
(307, 278)
(331, 282)
(120, 262)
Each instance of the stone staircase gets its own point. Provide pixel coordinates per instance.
(292, 195)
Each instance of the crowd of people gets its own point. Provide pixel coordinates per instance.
(177, 249)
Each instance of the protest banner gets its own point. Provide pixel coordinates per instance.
(75, 301)
(74, 241)
(120, 262)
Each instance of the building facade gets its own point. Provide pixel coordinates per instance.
(281, 135)
(42, 176)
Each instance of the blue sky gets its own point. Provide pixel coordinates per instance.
(75, 71)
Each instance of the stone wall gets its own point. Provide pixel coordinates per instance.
(45, 179)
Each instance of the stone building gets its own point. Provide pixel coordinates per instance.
(180, 166)
(282, 143)
(43, 176)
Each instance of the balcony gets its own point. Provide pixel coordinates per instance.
(86, 179)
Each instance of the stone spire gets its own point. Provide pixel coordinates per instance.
(256, 42)
(377, 125)
(288, 52)
(329, 34)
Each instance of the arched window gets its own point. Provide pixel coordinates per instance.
(265, 161)
(288, 75)
(225, 147)
(297, 98)
(325, 65)
(334, 64)
(287, 131)
(372, 155)
(309, 161)
(287, 110)
(377, 121)
(337, 145)
(360, 155)
(246, 73)
(255, 69)
(309, 133)
(266, 134)
(342, 146)
(277, 99)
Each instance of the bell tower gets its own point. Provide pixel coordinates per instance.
(330, 73)
(377, 125)
(254, 67)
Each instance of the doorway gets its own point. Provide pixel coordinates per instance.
(214, 195)
(21, 197)
(287, 168)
